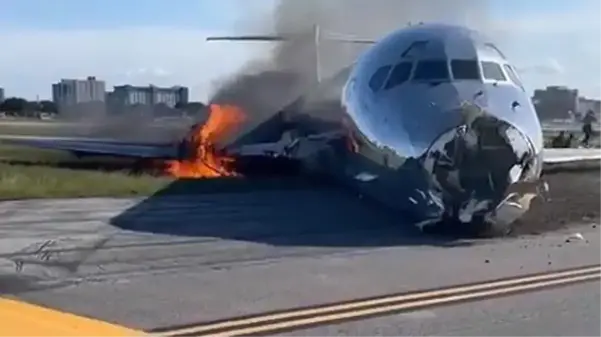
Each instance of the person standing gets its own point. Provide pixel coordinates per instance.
(587, 127)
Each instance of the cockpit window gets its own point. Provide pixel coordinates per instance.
(431, 70)
(465, 69)
(414, 49)
(377, 79)
(494, 48)
(492, 71)
(513, 76)
(399, 75)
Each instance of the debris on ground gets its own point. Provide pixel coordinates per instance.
(575, 237)
(573, 196)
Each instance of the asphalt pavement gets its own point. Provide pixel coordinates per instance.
(166, 261)
(570, 311)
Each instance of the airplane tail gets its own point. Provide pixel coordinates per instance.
(318, 36)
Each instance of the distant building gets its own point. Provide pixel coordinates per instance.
(79, 97)
(70, 91)
(128, 95)
(586, 104)
(2, 97)
(555, 102)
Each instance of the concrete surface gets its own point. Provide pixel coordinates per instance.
(180, 260)
(565, 155)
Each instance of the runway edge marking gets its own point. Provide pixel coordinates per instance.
(24, 319)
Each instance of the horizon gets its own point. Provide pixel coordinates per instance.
(117, 42)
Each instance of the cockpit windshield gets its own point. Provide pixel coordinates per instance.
(399, 75)
(377, 79)
(430, 70)
(465, 69)
(492, 71)
(513, 76)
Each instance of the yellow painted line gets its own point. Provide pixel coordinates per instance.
(24, 319)
(368, 307)
(404, 306)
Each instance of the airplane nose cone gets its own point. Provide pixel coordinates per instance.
(473, 165)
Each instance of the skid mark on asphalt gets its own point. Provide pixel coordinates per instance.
(50, 243)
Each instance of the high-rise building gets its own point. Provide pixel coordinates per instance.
(72, 91)
(2, 98)
(80, 98)
(128, 95)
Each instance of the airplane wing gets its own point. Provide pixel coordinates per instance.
(557, 156)
(268, 38)
(287, 146)
(97, 147)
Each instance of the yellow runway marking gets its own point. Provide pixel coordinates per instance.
(24, 319)
(328, 314)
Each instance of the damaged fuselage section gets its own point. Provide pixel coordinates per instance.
(483, 171)
(436, 123)
(442, 128)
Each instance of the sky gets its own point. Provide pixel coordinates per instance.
(162, 42)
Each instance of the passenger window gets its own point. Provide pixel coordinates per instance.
(378, 78)
(431, 70)
(399, 75)
(493, 71)
(465, 69)
(513, 76)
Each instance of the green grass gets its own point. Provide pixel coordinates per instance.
(20, 181)
(27, 172)
(33, 173)
(28, 154)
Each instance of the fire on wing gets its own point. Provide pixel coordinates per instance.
(203, 159)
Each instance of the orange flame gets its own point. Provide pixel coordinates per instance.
(203, 159)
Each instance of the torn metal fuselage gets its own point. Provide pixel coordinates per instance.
(418, 149)
(483, 171)
(411, 144)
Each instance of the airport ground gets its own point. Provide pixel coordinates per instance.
(173, 263)
(198, 251)
(34, 173)
(31, 173)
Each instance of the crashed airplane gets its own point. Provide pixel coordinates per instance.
(435, 122)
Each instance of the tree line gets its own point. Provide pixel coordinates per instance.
(21, 107)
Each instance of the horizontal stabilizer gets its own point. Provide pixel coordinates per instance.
(318, 34)
(247, 38)
(268, 38)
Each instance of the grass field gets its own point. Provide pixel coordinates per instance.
(32, 173)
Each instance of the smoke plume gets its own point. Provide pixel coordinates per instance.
(262, 89)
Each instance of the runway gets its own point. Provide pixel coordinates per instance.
(174, 261)
(242, 250)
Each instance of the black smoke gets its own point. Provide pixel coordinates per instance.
(262, 89)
